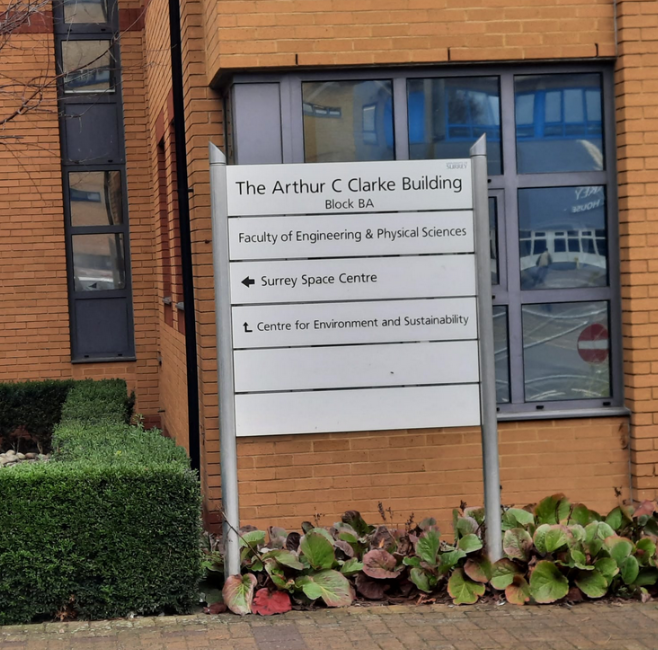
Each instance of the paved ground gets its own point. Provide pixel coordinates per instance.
(630, 626)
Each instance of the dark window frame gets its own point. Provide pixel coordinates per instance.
(94, 32)
(505, 187)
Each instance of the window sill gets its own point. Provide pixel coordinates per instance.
(104, 360)
(561, 414)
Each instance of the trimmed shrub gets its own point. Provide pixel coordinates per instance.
(108, 527)
(31, 410)
(96, 401)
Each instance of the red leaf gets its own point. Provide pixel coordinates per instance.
(267, 603)
(215, 608)
(645, 508)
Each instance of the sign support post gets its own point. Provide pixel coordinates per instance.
(225, 375)
(488, 408)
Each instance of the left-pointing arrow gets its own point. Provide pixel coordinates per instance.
(248, 282)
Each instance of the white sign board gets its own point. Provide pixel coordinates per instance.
(352, 291)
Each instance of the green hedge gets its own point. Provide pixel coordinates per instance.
(34, 407)
(110, 526)
(96, 401)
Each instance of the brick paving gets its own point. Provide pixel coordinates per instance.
(629, 626)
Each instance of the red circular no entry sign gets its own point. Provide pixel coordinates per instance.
(594, 344)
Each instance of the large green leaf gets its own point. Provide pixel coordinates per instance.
(517, 543)
(466, 526)
(552, 510)
(607, 567)
(615, 519)
(478, 569)
(518, 593)
(579, 560)
(619, 548)
(470, 543)
(285, 558)
(630, 570)
(463, 590)
(276, 573)
(517, 518)
(449, 559)
(595, 533)
(318, 550)
(581, 515)
(420, 579)
(503, 573)
(592, 583)
(647, 577)
(427, 547)
(351, 567)
(253, 538)
(238, 593)
(333, 587)
(646, 550)
(556, 538)
(539, 538)
(547, 584)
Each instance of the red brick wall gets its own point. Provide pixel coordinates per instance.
(278, 33)
(637, 146)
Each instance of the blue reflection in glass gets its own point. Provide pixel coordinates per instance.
(562, 237)
(559, 123)
(447, 115)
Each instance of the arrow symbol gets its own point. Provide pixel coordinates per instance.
(246, 328)
(248, 282)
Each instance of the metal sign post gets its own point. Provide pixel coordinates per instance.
(490, 464)
(225, 376)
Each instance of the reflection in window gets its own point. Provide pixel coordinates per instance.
(87, 66)
(446, 116)
(501, 351)
(98, 262)
(95, 198)
(566, 351)
(559, 123)
(85, 11)
(348, 120)
(562, 237)
(493, 238)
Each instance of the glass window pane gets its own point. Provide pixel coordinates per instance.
(87, 66)
(547, 261)
(98, 262)
(95, 198)
(553, 107)
(446, 116)
(501, 350)
(85, 11)
(566, 134)
(346, 121)
(493, 238)
(566, 351)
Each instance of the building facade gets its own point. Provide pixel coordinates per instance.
(566, 93)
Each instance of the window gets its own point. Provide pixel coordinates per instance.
(94, 182)
(552, 206)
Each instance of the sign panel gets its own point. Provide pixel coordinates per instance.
(351, 235)
(345, 323)
(356, 366)
(369, 278)
(352, 295)
(417, 407)
(349, 187)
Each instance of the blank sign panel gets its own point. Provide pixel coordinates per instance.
(356, 366)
